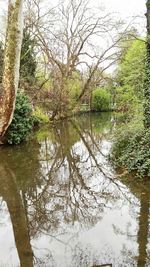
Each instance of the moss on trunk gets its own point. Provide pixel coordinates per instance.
(11, 64)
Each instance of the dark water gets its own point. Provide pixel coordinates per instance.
(62, 205)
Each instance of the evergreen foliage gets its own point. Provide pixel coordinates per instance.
(131, 152)
(22, 122)
(28, 61)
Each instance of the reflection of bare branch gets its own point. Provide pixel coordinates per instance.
(71, 188)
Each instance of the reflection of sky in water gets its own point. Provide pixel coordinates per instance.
(87, 217)
(102, 238)
(8, 252)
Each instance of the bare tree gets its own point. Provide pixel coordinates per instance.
(74, 38)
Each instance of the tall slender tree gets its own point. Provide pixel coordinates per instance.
(147, 67)
(10, 79)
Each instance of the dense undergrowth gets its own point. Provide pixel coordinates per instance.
(131, 149)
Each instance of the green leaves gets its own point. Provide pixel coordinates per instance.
(28, 62)
(131, 77)
(132, 151)
(101, 100)
(22, 122)
(132, 68)
(147, 90)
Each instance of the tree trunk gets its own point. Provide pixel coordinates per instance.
(10, 80)
(147, 67)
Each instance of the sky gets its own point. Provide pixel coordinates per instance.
(124, 7)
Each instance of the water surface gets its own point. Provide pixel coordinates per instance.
(61, 203)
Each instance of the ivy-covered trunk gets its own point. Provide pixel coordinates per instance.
(10, 79)
(147, 66)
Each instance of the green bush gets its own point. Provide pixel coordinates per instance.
(22, 122)
(40, 116)
(131, 151)
(101, 100)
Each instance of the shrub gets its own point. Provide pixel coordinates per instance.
(40, 116)
(101, 100)
(130, 150)
(22, 122)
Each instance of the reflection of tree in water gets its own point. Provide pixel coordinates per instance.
(73, 179)
(11, 195)
(88, 257)
(62, 182)
(141, 191)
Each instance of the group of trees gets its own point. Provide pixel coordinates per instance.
(66, 51)
(130, 148)
(64, 56)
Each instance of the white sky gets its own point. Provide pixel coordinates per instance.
(124, 7)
